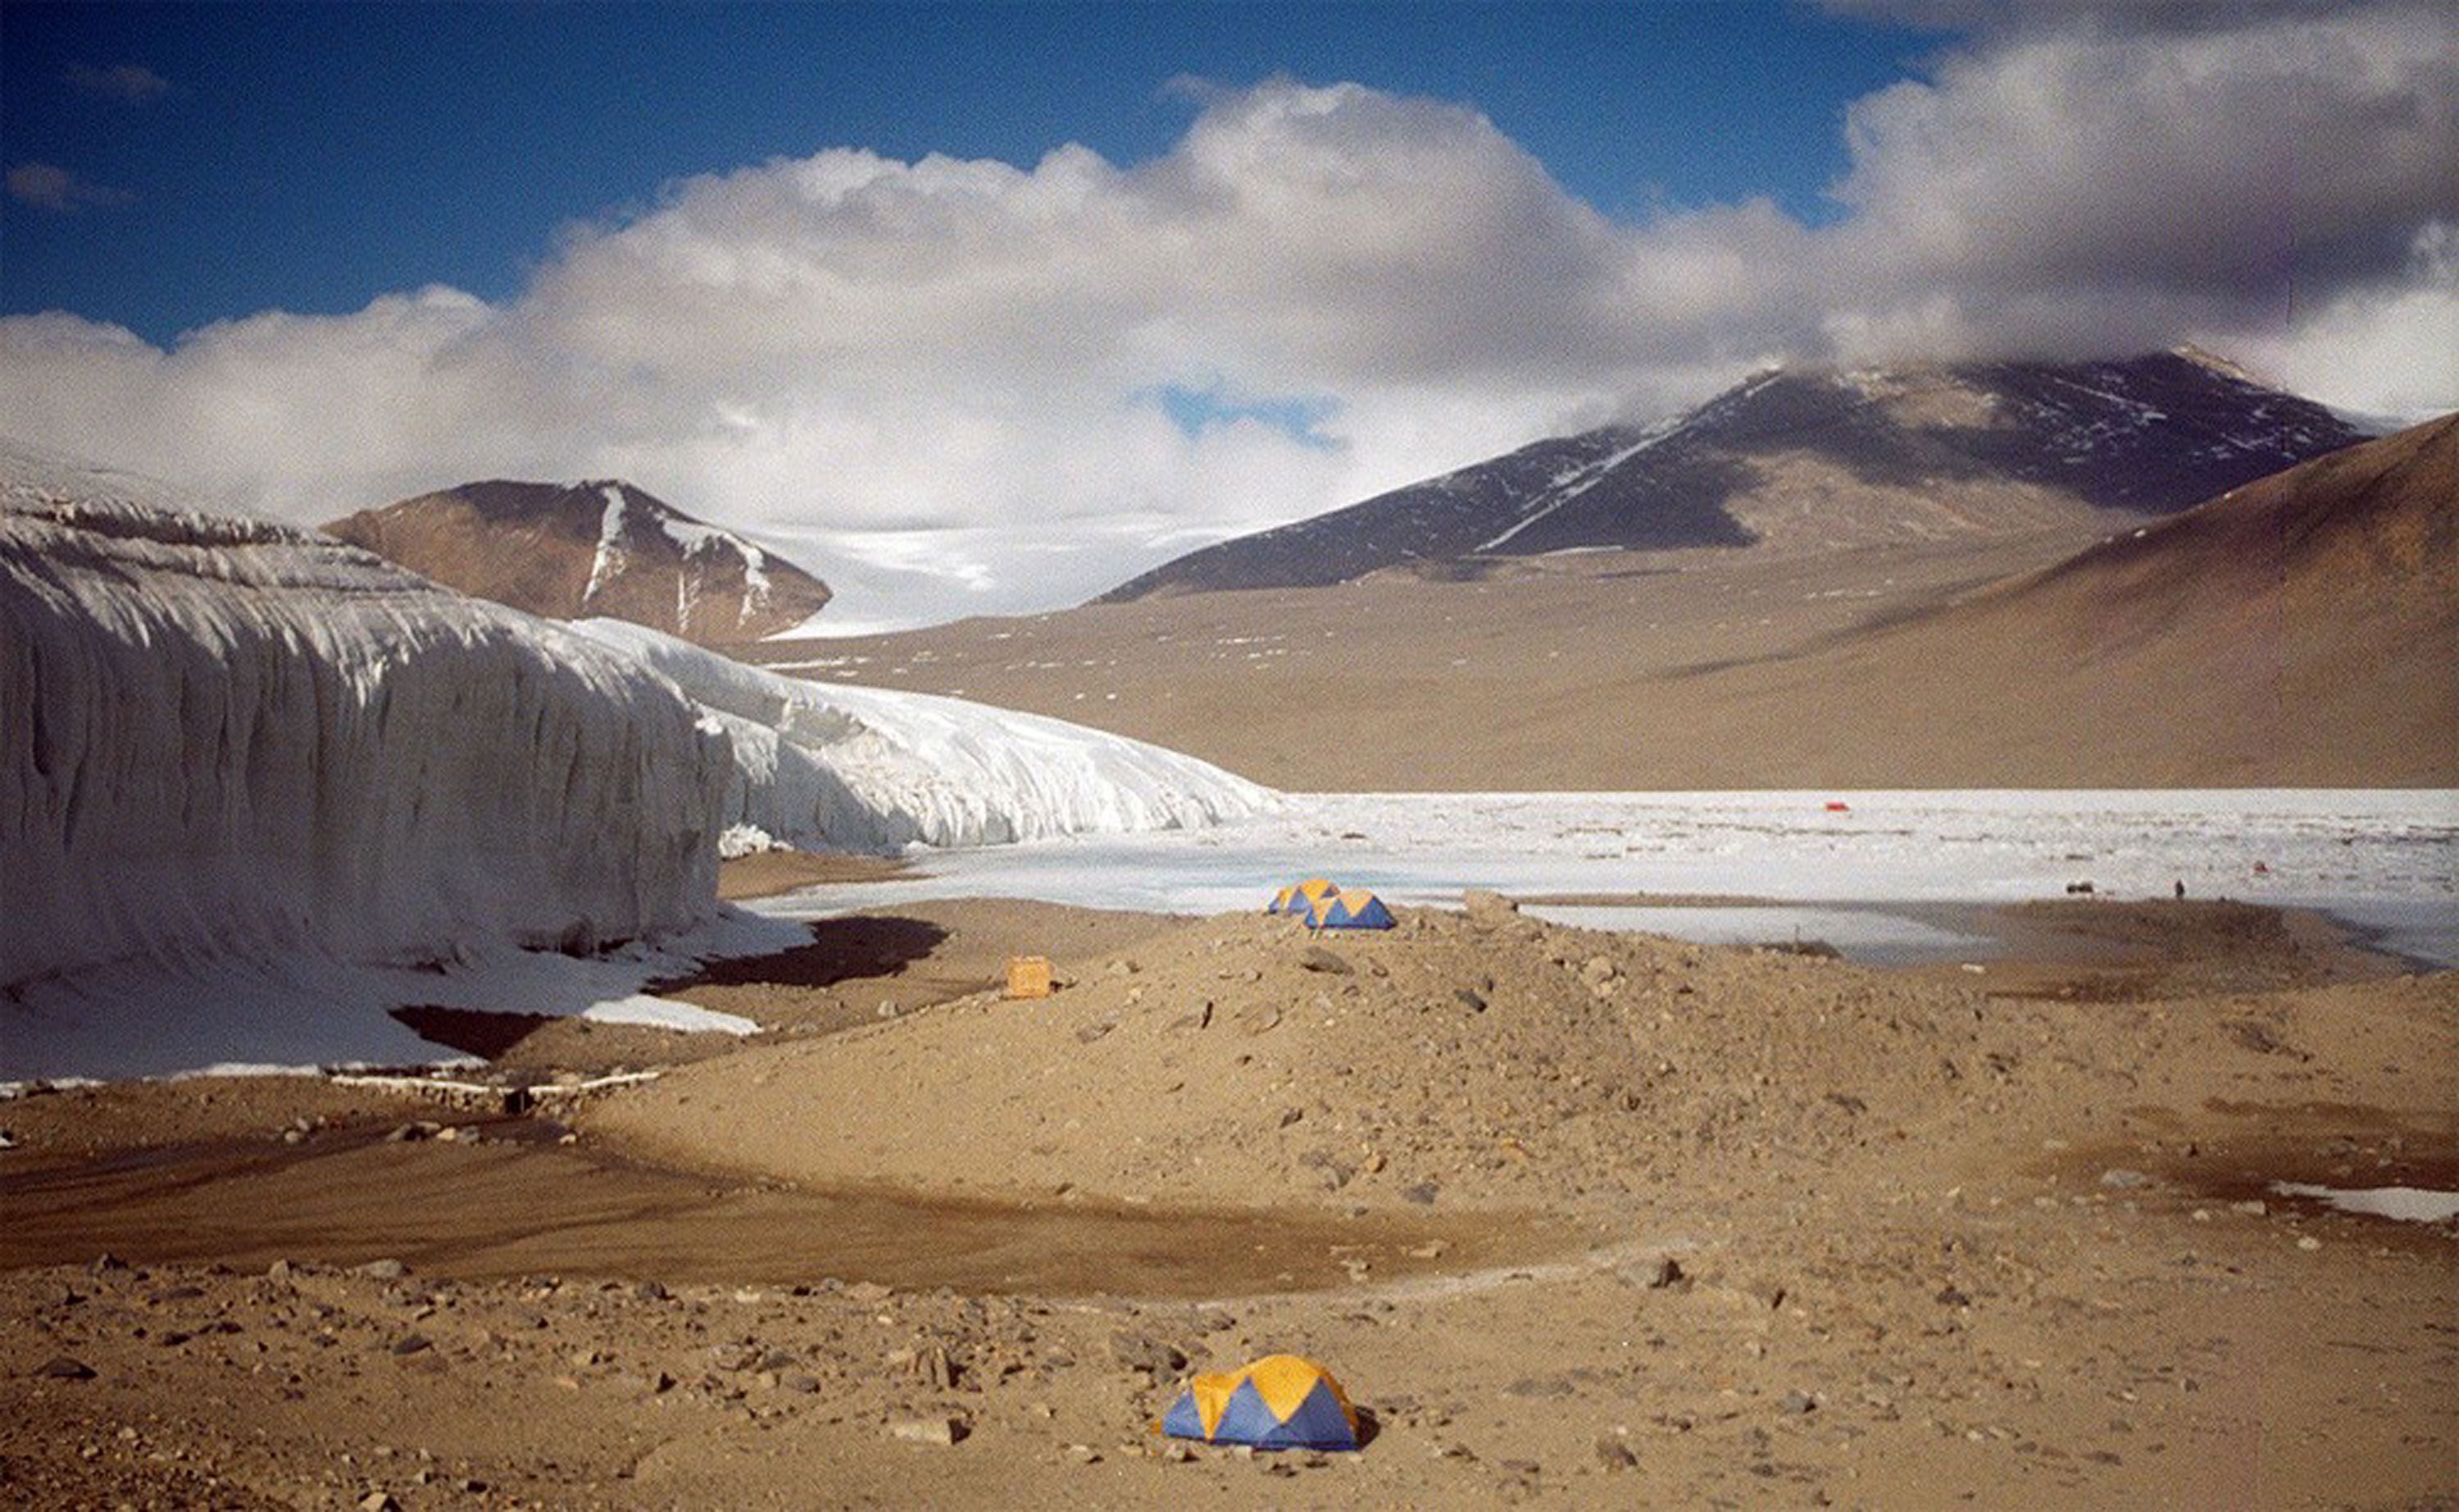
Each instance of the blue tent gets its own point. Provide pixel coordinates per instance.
(1281, 1401)
(1350, 908)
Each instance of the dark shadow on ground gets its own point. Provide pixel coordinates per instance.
(841, 949)
(471, 1031)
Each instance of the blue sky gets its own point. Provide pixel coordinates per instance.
(309, 157)
(986, 309)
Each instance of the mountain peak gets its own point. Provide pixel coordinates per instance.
(1821, 458)
(599, 546)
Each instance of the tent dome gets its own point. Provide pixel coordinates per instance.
(1281, 1401)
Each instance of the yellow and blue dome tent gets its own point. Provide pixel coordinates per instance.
(1299, 898)
(1281, 1401)
(1349, 908)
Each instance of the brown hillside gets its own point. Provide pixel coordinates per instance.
(592, 549)
(2298, 630)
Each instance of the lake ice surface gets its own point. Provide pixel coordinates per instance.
(2382, 860)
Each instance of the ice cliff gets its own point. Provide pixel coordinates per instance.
(222, 739)
(877, 769)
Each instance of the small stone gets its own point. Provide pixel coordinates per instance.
(2308, 1242)
(868, 1293)
(279, 1271)
(2254, 1207)
(1798, 1404)
(1201, 1019)
(649, 1292)
(1290, 1116)
(63, 1367)
(1423, 1193)
(2118, 1178)
(1615, 1455)
(378, 1502)
(1488, 910)
(932, 1430)
(1316, 958)
(802, 1383)
(1668, 1272)
(1083, 1454)
(1950, 1296)
(1178, 1454)
(1138, 1352)
(384, 1270)
(411, 1344)
(1094, 1031)
(1470, 998)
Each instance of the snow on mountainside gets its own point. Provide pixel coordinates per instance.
(602, 548)
(1818, 460)
(876, 770)
(223, 740)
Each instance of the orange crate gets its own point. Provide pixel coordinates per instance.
(1028, 977)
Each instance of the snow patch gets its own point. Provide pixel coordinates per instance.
(610, 558)
(668, 1012)
(737, 841)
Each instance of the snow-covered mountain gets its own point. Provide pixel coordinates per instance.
(222, 739)
(1817, 460)
(606, 548)
(877, 770)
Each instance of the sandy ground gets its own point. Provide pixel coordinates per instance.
(1579, 1218)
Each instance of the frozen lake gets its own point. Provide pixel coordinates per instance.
(1887, 878)
(2383, 859)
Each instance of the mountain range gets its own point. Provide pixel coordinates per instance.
(2299, 629)
(595, 549)
(1817, 460)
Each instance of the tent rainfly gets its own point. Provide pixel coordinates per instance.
(1281, 1401)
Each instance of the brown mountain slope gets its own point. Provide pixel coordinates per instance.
(2301, 630)
(588, 549)
(1820, 460)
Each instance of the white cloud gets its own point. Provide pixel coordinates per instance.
(940, 379)
(47, 186)
(130, 83)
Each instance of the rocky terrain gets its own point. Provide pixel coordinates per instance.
(1817, 460)
(1578, 1218)
(605, 549)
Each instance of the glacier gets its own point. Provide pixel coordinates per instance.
(226, 740)
(879, 769)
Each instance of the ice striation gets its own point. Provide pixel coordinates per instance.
(226, 740)
(878, 770)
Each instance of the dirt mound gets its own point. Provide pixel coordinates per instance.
(1240, 1060)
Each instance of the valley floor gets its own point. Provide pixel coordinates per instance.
(1577, 1217)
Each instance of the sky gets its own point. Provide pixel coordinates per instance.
(983, 308)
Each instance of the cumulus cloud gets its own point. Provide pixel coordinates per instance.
(130, 83)
(950, 385)
(47, 186)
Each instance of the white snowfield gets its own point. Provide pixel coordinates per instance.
(857, 768)
(223, 740)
